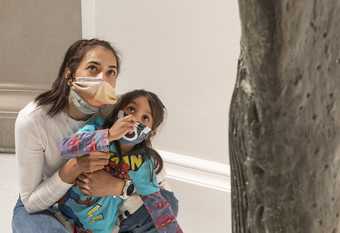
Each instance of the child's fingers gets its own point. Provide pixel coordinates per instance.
(119, 129)
(99, 155)
(128, 130)
(98, 163)
(129, 126)
(128, 118)
(125, 128)
(126, 124)
(95, 161)
(97, 168)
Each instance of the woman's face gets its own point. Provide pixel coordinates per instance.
(99, 60)
(141, 110)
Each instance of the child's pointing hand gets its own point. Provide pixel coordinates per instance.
(121, 127)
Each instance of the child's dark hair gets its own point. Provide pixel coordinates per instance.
(157, 112)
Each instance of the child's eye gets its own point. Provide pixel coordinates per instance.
(130, 109)
(146, 119)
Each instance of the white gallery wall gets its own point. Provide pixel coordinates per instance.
(185, 51)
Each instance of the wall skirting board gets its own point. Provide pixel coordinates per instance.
(191, 170)
(188, 169)
(13, 97)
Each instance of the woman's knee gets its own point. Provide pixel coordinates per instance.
(42, 222)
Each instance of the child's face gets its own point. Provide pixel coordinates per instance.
(141, 110)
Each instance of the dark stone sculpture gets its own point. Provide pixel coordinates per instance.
(284, 124)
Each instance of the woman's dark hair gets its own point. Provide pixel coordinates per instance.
(57, 96)
(157, 112)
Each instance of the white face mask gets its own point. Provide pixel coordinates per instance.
(81, 104)
(139, 134)
(94, 90)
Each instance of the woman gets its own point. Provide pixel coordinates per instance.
(44, 177)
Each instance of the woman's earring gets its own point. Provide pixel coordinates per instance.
(69, 78)
(69, 82)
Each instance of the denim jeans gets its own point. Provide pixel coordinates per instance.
(41, 222)
(44, 221)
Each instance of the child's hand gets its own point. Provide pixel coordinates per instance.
(121, 127)
(93, 162)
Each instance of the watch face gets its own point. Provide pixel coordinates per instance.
(130, 189)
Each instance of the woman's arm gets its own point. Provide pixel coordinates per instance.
(36, 194)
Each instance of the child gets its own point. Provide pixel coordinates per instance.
(131, 158)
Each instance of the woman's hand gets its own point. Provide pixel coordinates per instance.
(69, 171)
(94, 161)
(121, 127)
(100, 183)
(88, 163)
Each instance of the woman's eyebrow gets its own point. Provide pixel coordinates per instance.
(94, 62)
(98, 64)
(112, 66)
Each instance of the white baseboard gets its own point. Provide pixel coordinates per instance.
(205, 173)
(15, 96)
(195, 171)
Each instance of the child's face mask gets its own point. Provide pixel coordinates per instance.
(139, 134)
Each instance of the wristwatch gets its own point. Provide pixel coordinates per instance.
(128, 189)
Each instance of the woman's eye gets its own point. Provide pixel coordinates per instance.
(111, 73)
(92, 68)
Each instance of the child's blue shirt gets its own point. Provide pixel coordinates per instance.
(100, 214)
